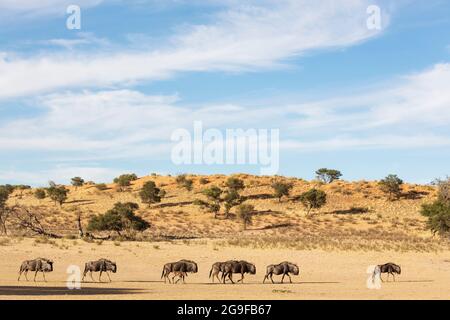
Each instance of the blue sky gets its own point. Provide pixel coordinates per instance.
(105, 99)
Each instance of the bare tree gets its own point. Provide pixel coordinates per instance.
(28, 220)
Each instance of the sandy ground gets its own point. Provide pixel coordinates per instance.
(323, 275)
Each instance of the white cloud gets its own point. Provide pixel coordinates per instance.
(88, 125)
(254, 36)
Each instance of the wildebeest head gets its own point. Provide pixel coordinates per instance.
(46, 265)
(251, 268)
(293, 268)
(398, 269)
(111, 266)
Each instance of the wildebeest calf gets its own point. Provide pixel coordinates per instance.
(101, 265)
(37, 265)
(389, 268)
(283, 268)
(241, 267)
(180, 268)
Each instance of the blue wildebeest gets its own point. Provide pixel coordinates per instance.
(283, 268)
(37, 265)
(241, 267)
(101, 265)
(389, 268)
(180, 268)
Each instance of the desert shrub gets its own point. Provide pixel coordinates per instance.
(150, 193)
(328, 175)
(77, 182)
(101, 186)
(245, 214)
(118, 219)
(183, 182)
(391, 185)
(235, 184)
(40, 194)
(281, 189)
(203, 181)
(313, 199)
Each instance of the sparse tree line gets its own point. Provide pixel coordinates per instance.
(218, 200)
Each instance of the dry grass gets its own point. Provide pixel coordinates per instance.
(358, 206)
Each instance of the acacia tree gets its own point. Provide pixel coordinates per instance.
(313, 199)
(245, 214)
(213, 200)
(438, 212)
(58, 194)
(281, 189)
(391, 185)
(5, 192)
(150, 193)
(328, 175)
(77, 182)
(120, 218)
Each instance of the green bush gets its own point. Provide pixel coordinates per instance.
(125, 180)
(438, 214)
(118, 219)
(391, 185)
(150, 193)
(40, 194)
(281, 189)
(313, 199)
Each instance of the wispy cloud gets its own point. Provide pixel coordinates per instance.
(413, 113)
(247, 37)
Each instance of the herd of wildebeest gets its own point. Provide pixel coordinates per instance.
(180, 269)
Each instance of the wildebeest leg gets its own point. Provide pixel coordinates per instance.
(20, 273)
(217, 275)
(43, 274)
(265, 277)
(26, 275)
(242, 278)
(35, 275)
(100, 276)
(282, 278)
(393, 276)
(290, 280)
(90, 273)
(107, 273)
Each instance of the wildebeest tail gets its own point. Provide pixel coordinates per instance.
(210, 273)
